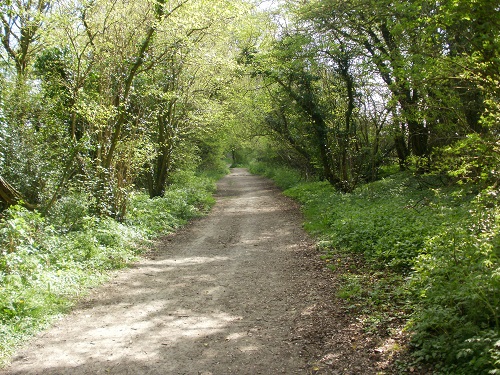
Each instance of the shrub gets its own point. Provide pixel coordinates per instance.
(189, 196)
(386, 221)
(70, 212)
(458, 281)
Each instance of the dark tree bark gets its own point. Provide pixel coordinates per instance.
(162, 165)
(9, 196)
(401, 150)
(306, 101)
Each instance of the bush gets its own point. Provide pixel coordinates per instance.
(386, 221)
(188, 196)
(458, 281)
(70, 212)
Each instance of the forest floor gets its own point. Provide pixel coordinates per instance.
(241, 291)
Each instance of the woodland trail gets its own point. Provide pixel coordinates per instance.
(229, 294)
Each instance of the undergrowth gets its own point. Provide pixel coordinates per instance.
(430, 260)
(284, 177)
(46, 263)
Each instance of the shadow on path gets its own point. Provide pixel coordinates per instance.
(219, 297)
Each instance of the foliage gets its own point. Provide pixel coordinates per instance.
(474, 160)
(112, 95)
(284, 177)
(314, 108)
(435, 69)
(113, 98)
(187, 197)
(457, 277)
(389, 234)
(352, 85)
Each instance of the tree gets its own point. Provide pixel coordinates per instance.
(376, 27)
(421, 51)
(21, 23)
(184, 92)
(313, 83)
(112, 88)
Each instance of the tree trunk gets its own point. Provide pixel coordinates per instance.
(9, 196)
(163, 163)
(308, 105)
(401, 150)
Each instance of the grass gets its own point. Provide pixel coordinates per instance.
(48, 263)
(284, 177)
(414, 252)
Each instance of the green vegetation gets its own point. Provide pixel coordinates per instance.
(110, 113)
(430, 259)
(391, 109)
(285, 177)
(47, 263)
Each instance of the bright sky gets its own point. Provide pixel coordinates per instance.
(268, 4)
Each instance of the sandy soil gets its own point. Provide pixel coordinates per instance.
(241, 291)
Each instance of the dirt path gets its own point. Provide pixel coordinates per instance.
(220, 297)
(241, 291)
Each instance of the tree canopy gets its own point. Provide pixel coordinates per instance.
(103, 96)
(101, 99)
(113, 95)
